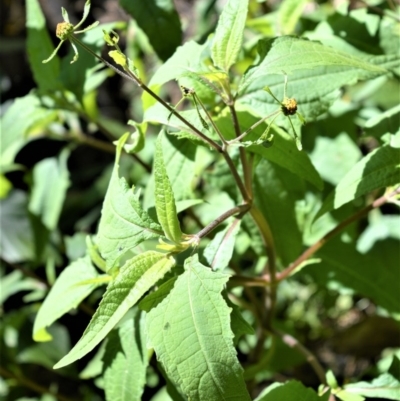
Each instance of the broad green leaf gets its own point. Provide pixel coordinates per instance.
(73, 285)
(315, 90)
(179, 159)
(135, 277)
(185, 59)
(334, 157)
(275, 195)
(289, 13)
(125, 361)
(385, 386)
(283, 151)
(18, 122)
(291, 390)
(16, 233)
(228, 37)
(160, 21)
(39, 47)
(377, 279)
(219, 251)
(195, 345)
(123, 224)
(379, 169)
(289, 54)
(50, 183)
(382, 123)
(164, 197)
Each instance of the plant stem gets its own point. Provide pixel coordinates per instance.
(215, 223)
(32, 385)
(271, 253)
(134, 78)
(243, 158)
(314, 248)
(292, 342)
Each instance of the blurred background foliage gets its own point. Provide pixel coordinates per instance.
(56, 170)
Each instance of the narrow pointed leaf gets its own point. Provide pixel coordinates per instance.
(136, 277)
(124, 224)
(66, 294)
(198, 339)
(164, 197)
(379, 169)
(229, 34)
(125, 361)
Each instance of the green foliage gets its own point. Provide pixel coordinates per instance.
(228, 246)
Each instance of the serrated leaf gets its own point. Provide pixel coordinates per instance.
(164, 196)
(136, 277)
(228, 37)
(291, 390)
(198, 339)
(124, 224)
(219, 251)
(50, 184)
(66, 294)
(379, 169)
(160, 21)
(39, 47)
(125, 361)
(289, 54)
(385, 386)
(179, 158)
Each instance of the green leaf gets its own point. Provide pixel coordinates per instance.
(24, 114)
(125, 361)
(15, 282)
(276, 195)
(377, 280)
(160, 21)
(123, 224)
(219, 251)
(382, 123)
(228, 37)
(289, 14)
(50, 183)
(164, 197)
(291, 390)
(289, 54)
(69, 290)
(16, 233)
(185, 59)
(195, 345)
(39, 46)
(334, 157)
(385, 386)
(379, 169)
(179, 159)
(136, 277)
